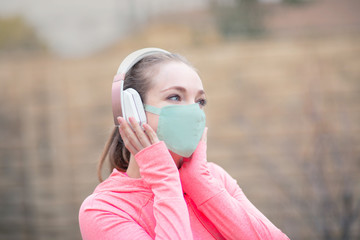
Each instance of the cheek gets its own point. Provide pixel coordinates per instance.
(152, 120)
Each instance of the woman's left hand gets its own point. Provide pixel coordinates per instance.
(194, 167)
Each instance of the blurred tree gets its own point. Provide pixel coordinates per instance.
(329, 201)
(238, 17)
(329, 168)
(16, 34)
(244, 17)
(297, 1)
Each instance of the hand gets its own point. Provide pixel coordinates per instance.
(200, 151)
(193, 168)
(135, 138)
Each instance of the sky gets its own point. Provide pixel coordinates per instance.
(75, 28)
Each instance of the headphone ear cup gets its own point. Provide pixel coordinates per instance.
(118, 96)
(133, 106)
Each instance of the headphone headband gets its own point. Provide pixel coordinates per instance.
(118, 82)
(136, 56)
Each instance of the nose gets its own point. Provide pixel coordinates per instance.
(190, 100)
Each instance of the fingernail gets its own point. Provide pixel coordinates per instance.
(120, 119)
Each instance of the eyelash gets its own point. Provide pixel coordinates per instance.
(172, 96)
(201, 101)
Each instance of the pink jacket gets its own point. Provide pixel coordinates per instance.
(198, 201)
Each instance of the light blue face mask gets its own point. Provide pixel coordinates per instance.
(180, 127)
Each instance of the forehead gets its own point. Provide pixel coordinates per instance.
(176, 74)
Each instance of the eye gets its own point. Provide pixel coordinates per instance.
(174, 98)
(202, 102)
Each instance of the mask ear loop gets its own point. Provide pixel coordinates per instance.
(152, 109)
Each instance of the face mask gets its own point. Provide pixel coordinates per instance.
(180, 127)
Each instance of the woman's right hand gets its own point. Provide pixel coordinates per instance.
(134, 137)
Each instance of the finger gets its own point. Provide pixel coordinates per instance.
(204, 135)
(151, 133)
(127, 143)
(130, 135)
(142, 137)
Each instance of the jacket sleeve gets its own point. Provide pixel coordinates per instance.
(217, 195)
(235, 205)
(159, 171)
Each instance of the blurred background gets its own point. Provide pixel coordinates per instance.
(282, 78)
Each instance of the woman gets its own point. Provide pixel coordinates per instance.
(161, 186)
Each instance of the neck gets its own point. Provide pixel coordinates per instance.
(133, 168)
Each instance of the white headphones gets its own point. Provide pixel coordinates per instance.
(127, 103)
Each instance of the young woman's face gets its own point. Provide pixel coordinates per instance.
(174, 83)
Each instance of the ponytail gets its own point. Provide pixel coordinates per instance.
(119, 156)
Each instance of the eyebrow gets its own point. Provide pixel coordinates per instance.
(181, 89)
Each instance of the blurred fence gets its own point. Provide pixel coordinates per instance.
(283, 118)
